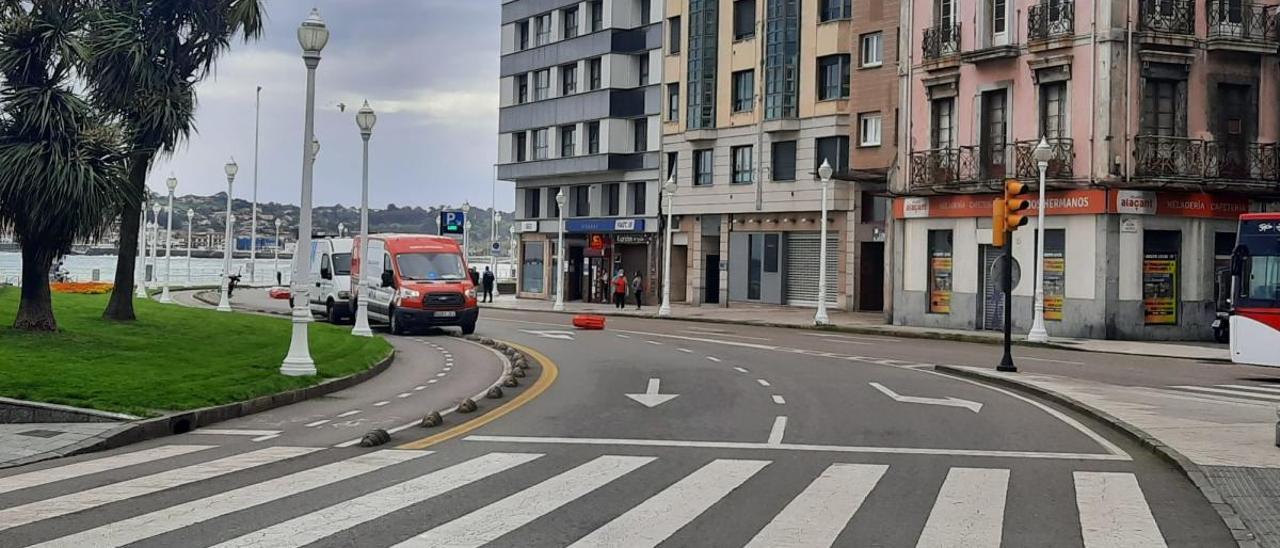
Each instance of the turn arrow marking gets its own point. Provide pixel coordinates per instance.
(950, 402)
(651, 397)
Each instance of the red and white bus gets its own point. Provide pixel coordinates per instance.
(1255, 293)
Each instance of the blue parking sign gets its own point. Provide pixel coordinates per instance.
(452, 222)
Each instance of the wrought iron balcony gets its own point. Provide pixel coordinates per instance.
(1200, 161)
(1059, 164)
(943, 169)
(941, 41)
(1051, 19)
(1241, 20)
(1168, 16)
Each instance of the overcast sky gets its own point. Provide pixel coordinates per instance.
(428, 67)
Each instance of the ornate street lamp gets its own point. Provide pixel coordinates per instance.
(172, 183)
(559, 305)
(1042, 154)
(668, 190)
(820, 318)
(365, 120)
(224, 303)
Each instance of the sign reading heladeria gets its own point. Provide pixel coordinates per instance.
(1179, 204)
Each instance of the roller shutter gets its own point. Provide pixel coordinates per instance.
(802, 268)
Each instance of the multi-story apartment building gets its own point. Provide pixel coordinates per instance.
(1162, 119)
(757, 93)
(580, 97)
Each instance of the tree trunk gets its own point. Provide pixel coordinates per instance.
(120, 307)
(35, 310)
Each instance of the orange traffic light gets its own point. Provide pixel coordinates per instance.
(1012, 204)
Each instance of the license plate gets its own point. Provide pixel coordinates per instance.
(445, 314)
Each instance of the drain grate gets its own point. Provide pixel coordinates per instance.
(40, 433)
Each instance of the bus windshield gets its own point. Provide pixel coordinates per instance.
(1259, 247)
(430, 266)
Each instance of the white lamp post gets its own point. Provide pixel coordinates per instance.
(191, 215)
(820, 318)
(560, 253)
(511, 253)
(493, 253)
(1042, 154)
(669, 190)
(312, 36)
(141, 293)
(466, 229)
(277, 258)
(224, 303)
(172, 183)
(365, 120)
(155, 243)
(253, 222)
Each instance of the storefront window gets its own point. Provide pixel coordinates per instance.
(531, 275)
(1160, 252)
(939, 271)
(1055, 273)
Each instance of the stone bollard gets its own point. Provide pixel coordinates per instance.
(521, 363)
(494, 393)
(510, 382)
(517, 372)
(467, 406)
(432, 419)
(376, 437)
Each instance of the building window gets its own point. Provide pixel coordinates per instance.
(570, 22)
(941, 123)
(872, 50)
(532, 203)
(744, 90)
(673, 102)
(830, 10)
(568, 79)
(672, 157)
(593, 72)
(541, 84)
(539, 144)
(552, 207)
(543, 24)
(581, 200)
(833, 77)
(611, 197)
(568, 141)
(531, 263)
(703, 61)
(1053, 110)
(522, 88)
(999, 22)
(522, 35)
(869, 129)
(741, 164)
(835, 150)
(520, 146)
(642, 68)
(673, 35)
(640, 134)
(782, 58)
(1162, 101)
(744, 19)
(597, 15)
(939, 269)
(784, 161)
(638, 197)
(702, 170)
(593, 137)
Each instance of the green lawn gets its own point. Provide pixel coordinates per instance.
(173, 358)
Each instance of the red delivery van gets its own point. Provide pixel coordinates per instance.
(413, 281)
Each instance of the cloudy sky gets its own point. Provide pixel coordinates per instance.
(428, 67)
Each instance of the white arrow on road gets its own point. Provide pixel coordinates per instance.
(562, 335)
(950, 402)
(651, 397)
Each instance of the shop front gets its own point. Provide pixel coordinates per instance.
(596, 250)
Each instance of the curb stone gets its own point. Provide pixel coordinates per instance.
(1244, 537)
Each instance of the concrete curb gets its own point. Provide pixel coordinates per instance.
(1244, 537)
(41, 412)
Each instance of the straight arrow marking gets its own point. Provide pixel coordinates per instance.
(651, 397)
(950, 402)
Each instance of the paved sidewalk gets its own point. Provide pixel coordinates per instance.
(33, 442)
(865, 322)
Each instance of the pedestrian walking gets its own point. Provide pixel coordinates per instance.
(637, 287)
(475, 276)
(488, 280)
(620, 290)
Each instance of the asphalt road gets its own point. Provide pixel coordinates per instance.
(653, 433)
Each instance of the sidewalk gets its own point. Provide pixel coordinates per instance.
(871, 323)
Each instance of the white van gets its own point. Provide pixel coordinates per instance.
(330, 291)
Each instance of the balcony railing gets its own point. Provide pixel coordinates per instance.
(1207, 161)
(940, 168)
(1169, 16)
(941, 41)
(1051, 19)
(1241, 20)
(1059, 164)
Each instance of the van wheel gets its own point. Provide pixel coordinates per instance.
(395, 327)
(469, 328)
(331, 313)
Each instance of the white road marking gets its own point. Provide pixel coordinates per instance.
(740, 370)
(349, 413)
(948, 401)
(381, 403)
(318, 423)
(116, 492)
(722, 334)
(550, 334)
(1266, 389)
(804, 447)
(779, 428)
(621, 336)
(656, 519)
(85, 468)
(701, 339)
(685, 350)
(490, 522)
(714, 359)
(763, 382)
(778, 399)
(266, 437)
(655, 343)
(231, 432)
(818, 515)
(969, 510)
(317, 525)
(420, 387)
(1238, 393)
(1113, 512)
(1068, 362)
(858, 337)
(433, 381)
(404, 394)
(177, 517)
(651, 396)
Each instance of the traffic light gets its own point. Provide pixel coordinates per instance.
(1004, 211)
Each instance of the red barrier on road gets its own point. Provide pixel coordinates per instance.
(588, 321)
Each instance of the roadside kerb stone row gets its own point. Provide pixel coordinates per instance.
(1244, 536)
(493, 391)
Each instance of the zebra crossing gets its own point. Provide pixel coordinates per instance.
(967, 510)
(1236, 392)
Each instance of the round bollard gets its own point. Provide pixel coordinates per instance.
(510, 382)
(494, 393)
(467, 406)
(376, 437)
(432, 419)
(517, 372)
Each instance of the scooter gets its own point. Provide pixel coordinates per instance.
(1222, 327)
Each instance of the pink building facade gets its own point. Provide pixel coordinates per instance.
(1163, 117)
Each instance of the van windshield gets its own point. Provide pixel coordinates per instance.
(342, 264)
(430, 266)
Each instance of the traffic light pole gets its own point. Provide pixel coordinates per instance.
(1006, 362)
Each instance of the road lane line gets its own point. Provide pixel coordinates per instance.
(685, 350)
(266, 437)
(859, 337)
(317, 525)
(349, 413)
(420, 387)
(490, 522)
(969, 510)
(714, 359)
(1113, 512)
(779, 400)
(701, 339)
(177, 517)
(656, 519)
(818, 515)
(381, 403)
(621, 336)
(433, 381)
(762, 382)
(404, 394)
(116, 492)
(1068, 362)
(655, 343)
(740, 370)
(441, 374)
(318, 423)
(1266, 389)
(724, 334)
(88, 467)
(1238, 393)
(779, 428)
(234, 432)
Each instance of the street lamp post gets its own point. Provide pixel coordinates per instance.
(224, 303)
(191, 215)
(1042, 154)
(669, 190)
(511, 253)
(312, 36)
(253, 222)
(493, 253)
(560, 253)
(277, 257)
(172, 183)
(365, 120)
(466, 229)
(155, 243)
(820, 318)
(141, 293)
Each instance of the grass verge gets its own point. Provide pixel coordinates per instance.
(172, 359)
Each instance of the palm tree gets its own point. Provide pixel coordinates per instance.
(61, 174)
(147, 57)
